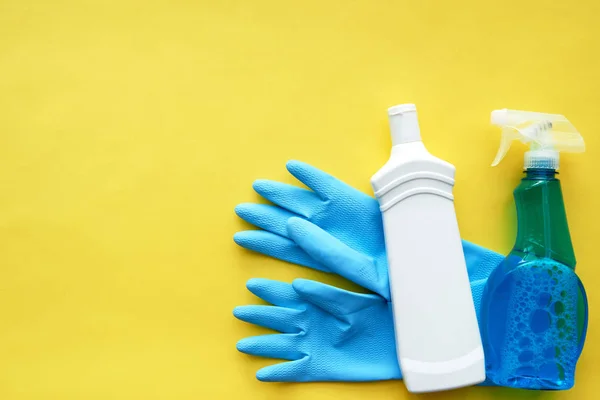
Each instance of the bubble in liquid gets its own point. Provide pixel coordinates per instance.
(518, 334)
(561, 323)
(555, 268)
(558, 308)
(563, 293)
(540, 321)
(525, 342)
(561, 335)
(521, 326)
(526, 356)
(544, 299)
(554, 281)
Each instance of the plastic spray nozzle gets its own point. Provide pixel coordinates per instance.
(546, 135)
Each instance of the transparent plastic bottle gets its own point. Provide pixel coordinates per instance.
(534, 308)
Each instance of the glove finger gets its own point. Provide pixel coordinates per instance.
(282, 319)
(336, 256)
(279, 345)
(275, 292)
(325, 185)
(276, 246)
(291, 371)
(267, 217)
(480, 261)
(293, 198)
(336, 301)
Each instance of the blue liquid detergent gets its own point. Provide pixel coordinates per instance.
(536, 324)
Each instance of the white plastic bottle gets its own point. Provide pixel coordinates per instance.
(437, 336)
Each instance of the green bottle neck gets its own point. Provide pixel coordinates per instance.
(543, 231)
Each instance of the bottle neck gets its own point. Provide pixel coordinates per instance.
(543, 231)
(540, 174)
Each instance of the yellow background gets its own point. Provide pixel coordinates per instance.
(130, 129)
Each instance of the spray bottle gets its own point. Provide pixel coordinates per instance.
(437, 337)
(534, 308)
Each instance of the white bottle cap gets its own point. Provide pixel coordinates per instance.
(404, 124)
(541, 159)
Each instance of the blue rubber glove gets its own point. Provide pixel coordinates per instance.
(327, 332)
(342, 211)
